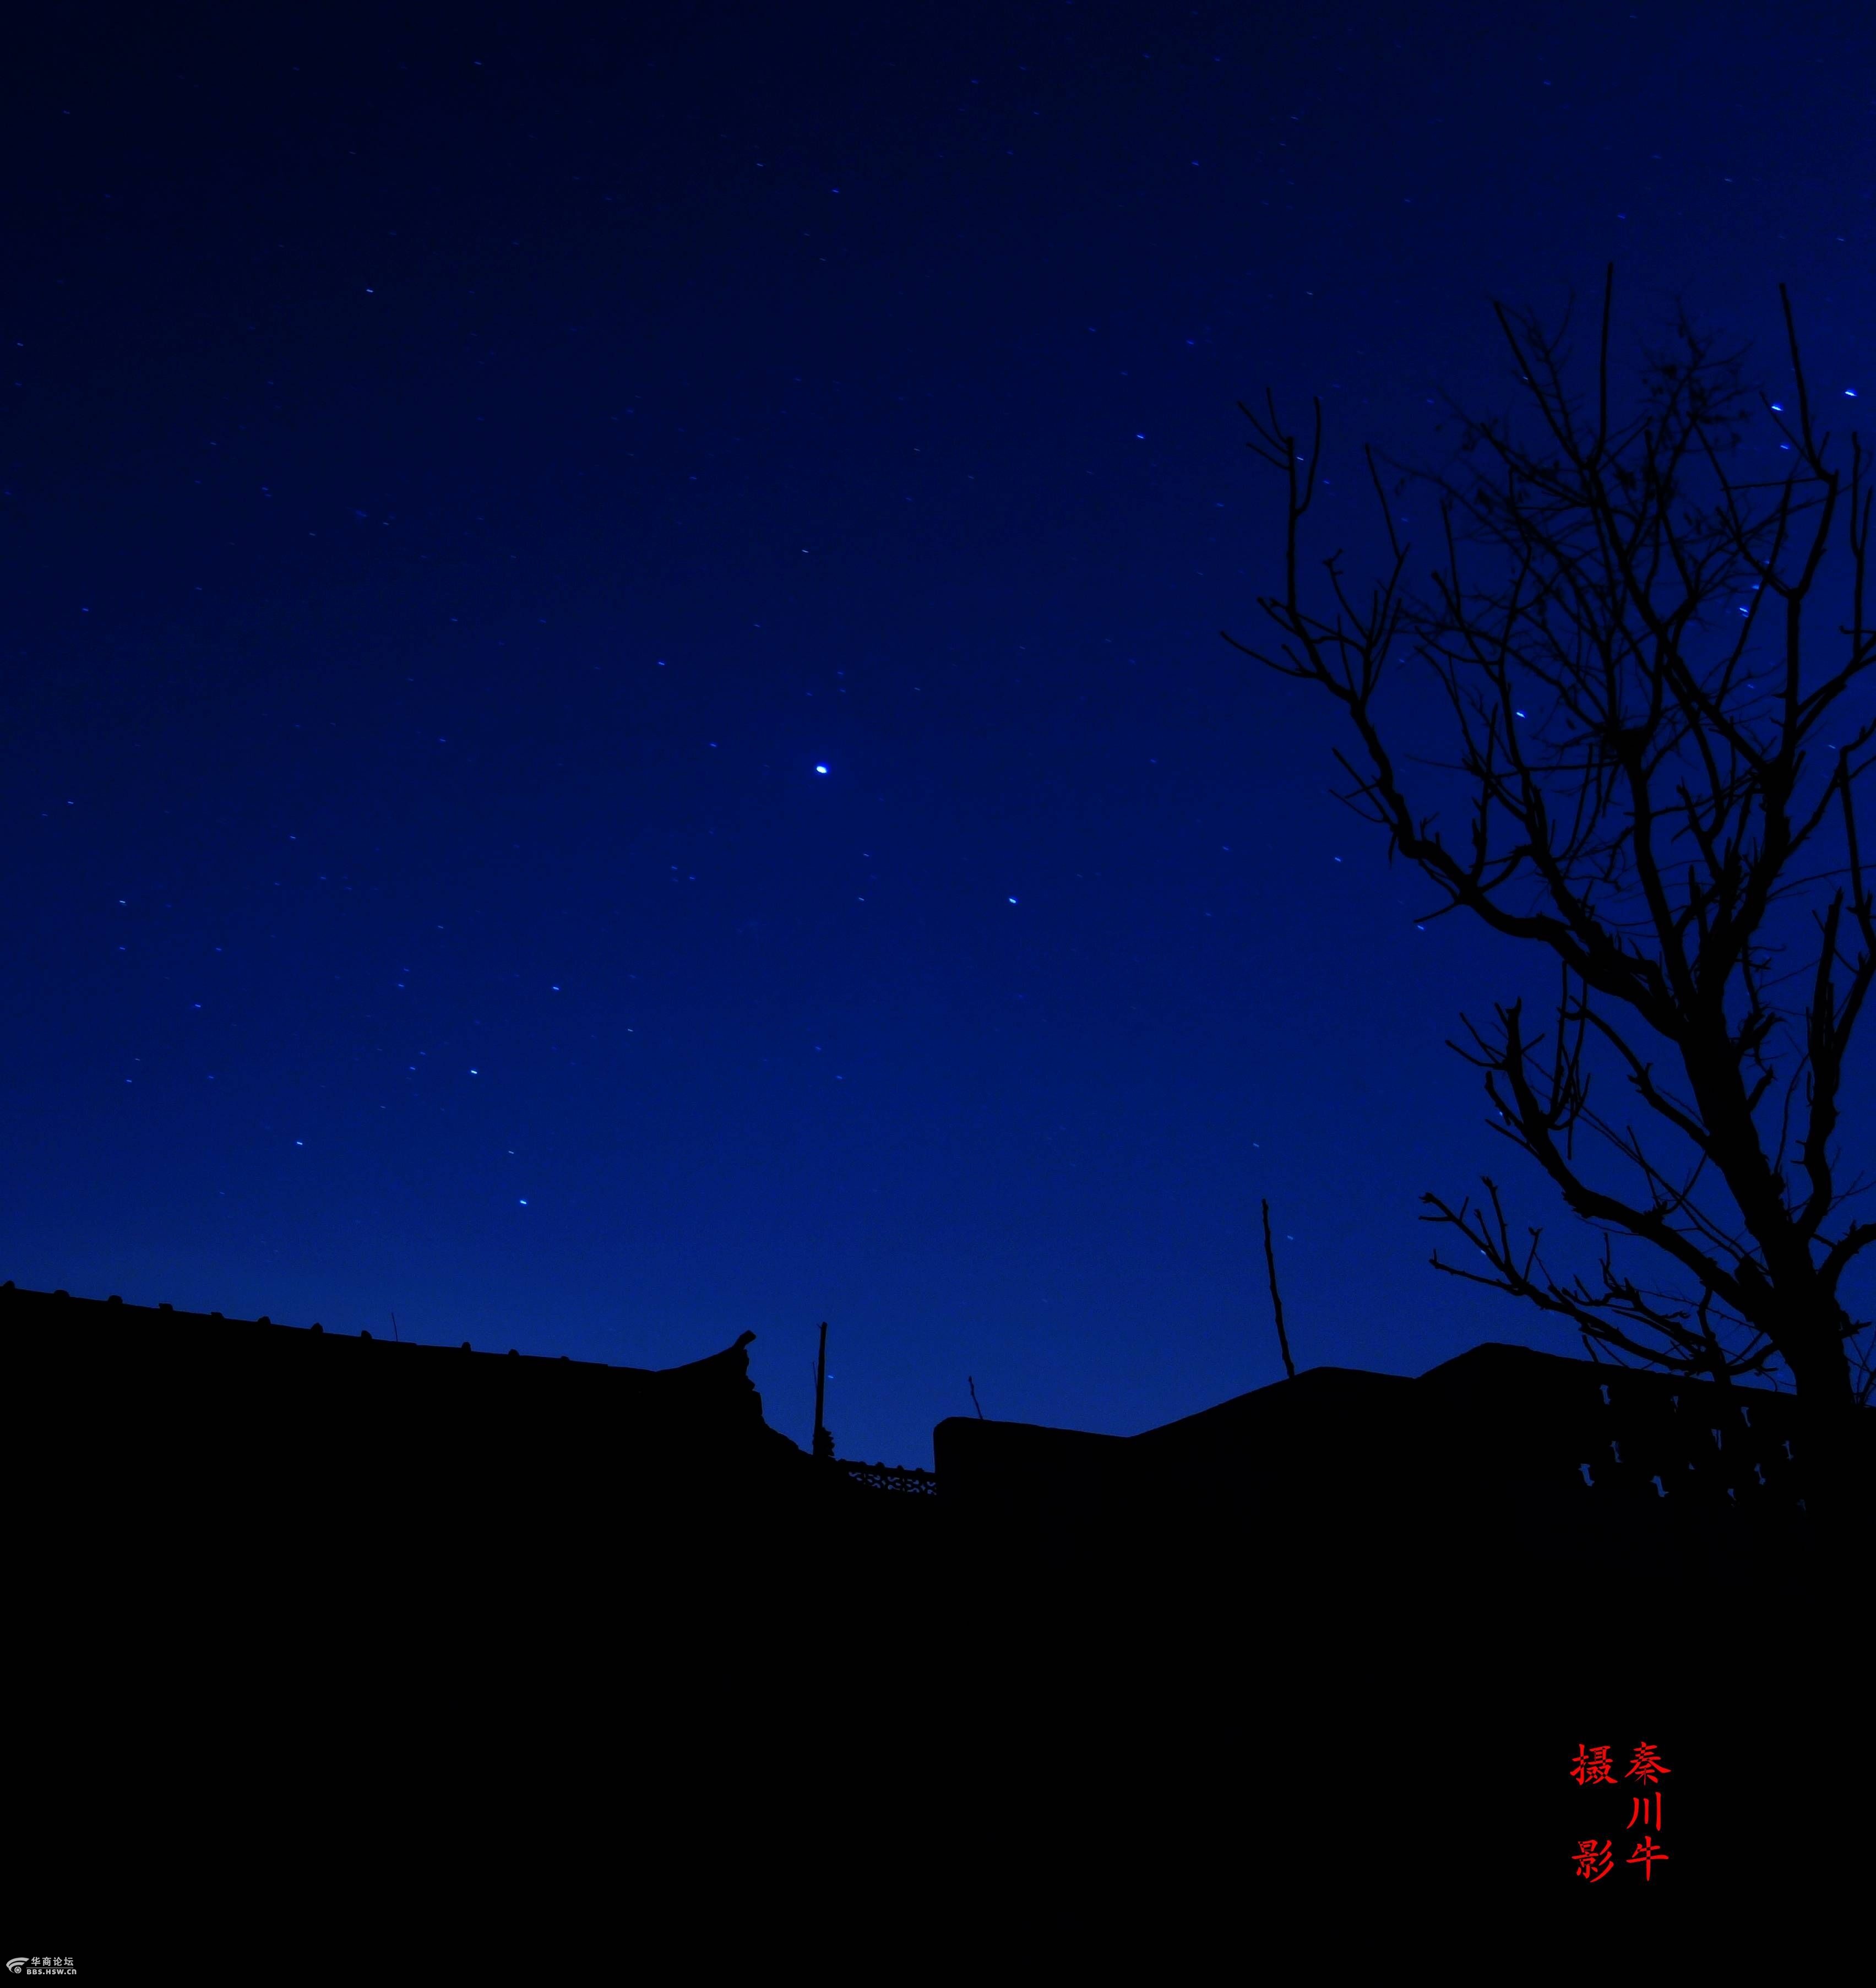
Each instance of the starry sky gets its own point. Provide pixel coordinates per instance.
(615, 723)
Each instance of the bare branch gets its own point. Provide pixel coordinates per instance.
(1620, 629)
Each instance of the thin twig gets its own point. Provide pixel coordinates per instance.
(1276, 1301)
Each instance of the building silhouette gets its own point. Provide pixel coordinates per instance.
(1250, 1653)
(1568, 1465)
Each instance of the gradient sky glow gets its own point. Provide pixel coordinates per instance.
(614, 724)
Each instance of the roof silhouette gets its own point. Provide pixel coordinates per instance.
(1084, 1638)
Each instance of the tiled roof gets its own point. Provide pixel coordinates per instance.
(294, 1383)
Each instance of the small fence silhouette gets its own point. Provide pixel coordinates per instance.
(1643, 1436)
(893, 1477)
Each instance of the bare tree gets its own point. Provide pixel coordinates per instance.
(1651, 729)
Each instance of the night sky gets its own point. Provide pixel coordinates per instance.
(615, 727)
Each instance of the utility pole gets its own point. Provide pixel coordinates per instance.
(824, 1441)
(1276, 1302)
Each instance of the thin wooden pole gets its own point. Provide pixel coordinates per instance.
(823, 1442)
(1276, 1301)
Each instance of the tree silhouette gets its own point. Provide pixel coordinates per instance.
(1652, 723)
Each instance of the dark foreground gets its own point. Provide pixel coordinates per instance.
(485, 1642)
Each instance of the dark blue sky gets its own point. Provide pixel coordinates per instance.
(464, 477)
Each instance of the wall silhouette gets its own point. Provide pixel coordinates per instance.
(1501, 1450)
